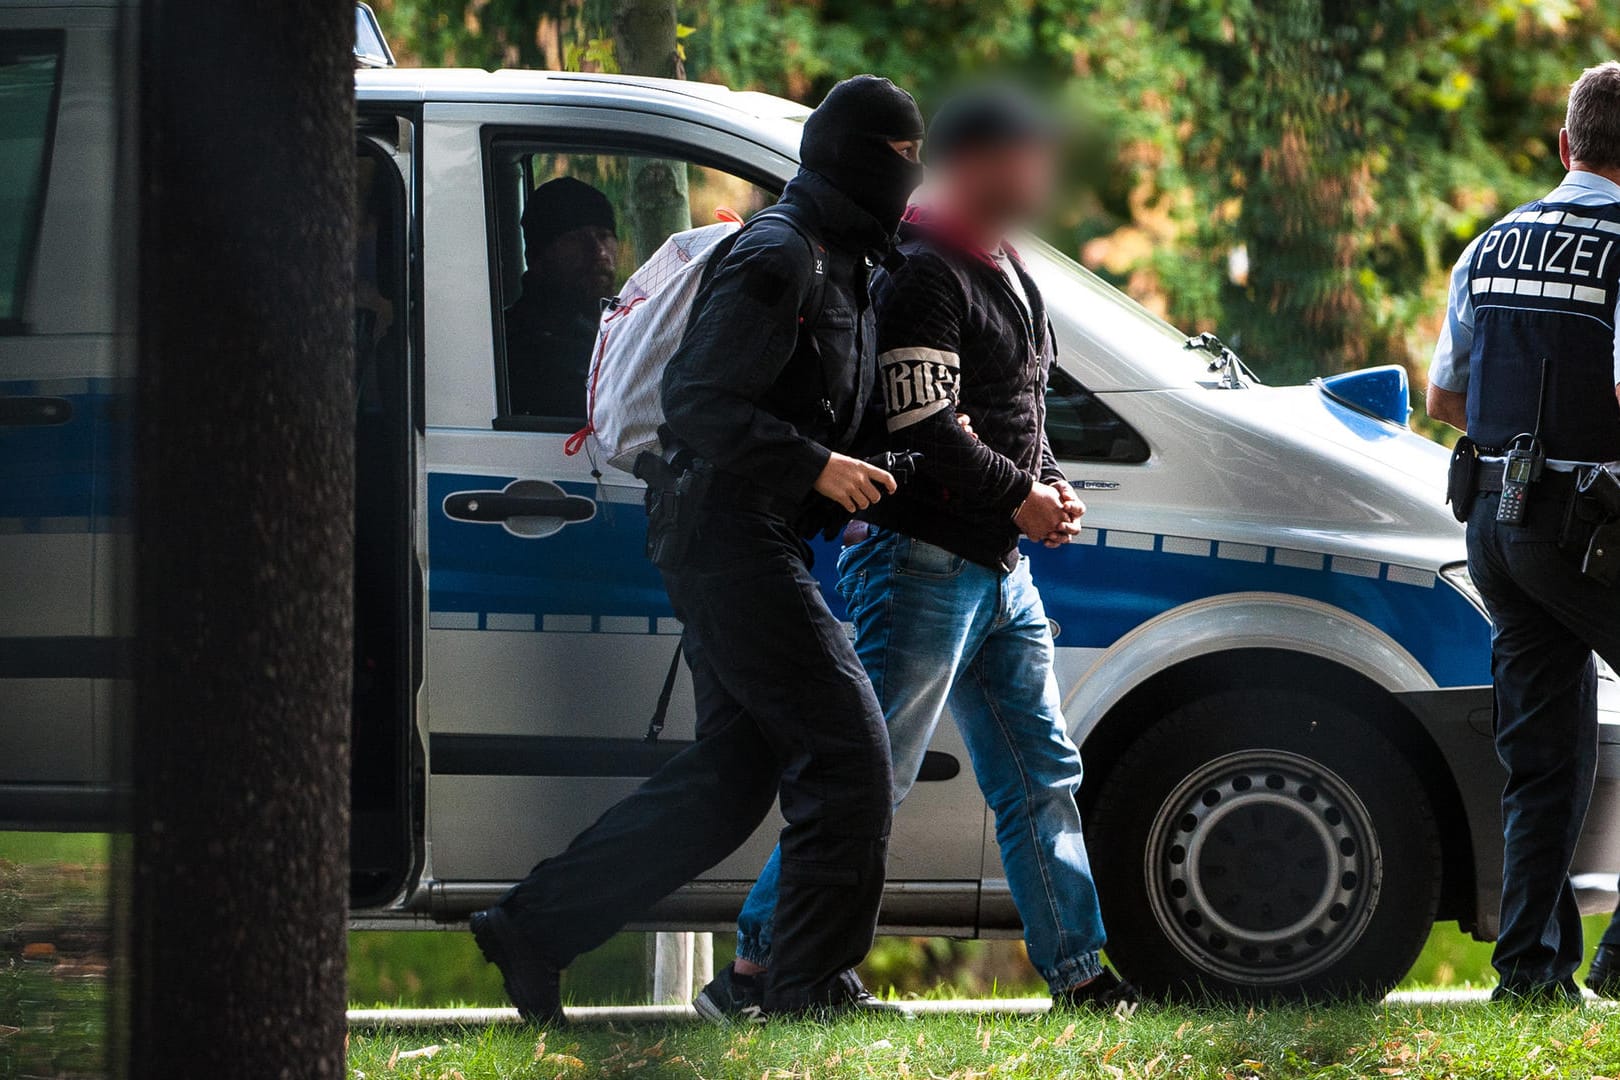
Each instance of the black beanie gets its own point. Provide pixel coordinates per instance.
(562, 204)
(846, 140)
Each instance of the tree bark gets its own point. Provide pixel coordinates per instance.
(244, 537)
(644, 40)
(644, 43)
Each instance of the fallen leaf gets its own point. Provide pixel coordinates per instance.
(562, 1061)
(393, 1059)
(1116, 1048)
(540, 1048)
(1063, 1039)
(1183, 1029)
(419, 1052)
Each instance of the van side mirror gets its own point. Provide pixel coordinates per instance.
(1380, 392)
(370, 47)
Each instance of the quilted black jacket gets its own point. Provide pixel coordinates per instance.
(953, 337)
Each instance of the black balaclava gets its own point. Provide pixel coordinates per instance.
(846, 140)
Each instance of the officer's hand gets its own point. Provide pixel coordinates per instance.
(852, 483)
(1044, 516)
(965, 422)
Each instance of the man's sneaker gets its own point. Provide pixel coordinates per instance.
(732, 998)
(1564, 994)
(853, 998)
(846, 997)
(1604, 976)
(1107, 993)
(531, 982)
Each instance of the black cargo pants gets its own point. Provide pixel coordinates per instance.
(783, 706)
(1548, 620)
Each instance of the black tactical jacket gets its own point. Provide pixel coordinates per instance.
(747, 390)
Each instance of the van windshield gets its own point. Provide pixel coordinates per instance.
(1109, 294)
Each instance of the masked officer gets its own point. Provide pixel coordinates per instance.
(766, 390)
(1529, 366)
(944, 608)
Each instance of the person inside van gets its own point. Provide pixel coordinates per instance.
(943, 605)
(571, 250)
(764, 401)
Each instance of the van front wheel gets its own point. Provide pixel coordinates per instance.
(1265, 844)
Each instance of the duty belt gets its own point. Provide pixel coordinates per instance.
(1558, 473)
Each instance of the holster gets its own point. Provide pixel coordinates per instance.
(1462, 483)
(1597, 507)
(677, 488)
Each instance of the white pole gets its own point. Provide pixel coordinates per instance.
(672, 969)
(702, 961)
(682, 964)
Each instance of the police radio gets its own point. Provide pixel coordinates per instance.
(1522, 466)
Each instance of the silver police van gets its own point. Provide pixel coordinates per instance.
(1270, 649)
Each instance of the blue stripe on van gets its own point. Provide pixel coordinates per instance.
(72, 477)
(593, 577)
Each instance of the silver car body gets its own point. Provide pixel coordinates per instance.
(1270, 532)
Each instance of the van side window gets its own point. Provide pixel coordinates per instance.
(1081, 428)
(30, 75)
(570, 225)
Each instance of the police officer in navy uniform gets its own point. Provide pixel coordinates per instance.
(1530, 349)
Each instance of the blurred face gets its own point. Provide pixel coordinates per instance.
(586, 258)
(1002, 187)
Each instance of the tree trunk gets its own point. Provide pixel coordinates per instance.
(244, 538)
(644, 38)
(644, 43)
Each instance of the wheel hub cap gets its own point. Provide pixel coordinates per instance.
(1263, 867)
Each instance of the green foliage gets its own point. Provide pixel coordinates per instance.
(1298, 174)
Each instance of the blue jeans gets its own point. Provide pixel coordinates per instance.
(933, 629)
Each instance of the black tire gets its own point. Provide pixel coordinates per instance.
(1261, 844)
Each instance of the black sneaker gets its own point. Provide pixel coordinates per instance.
(732, 998)
(533, 984)
(1563, 994)
(854, 998)
(847, 997)
(1107, 993)
(1604, 976)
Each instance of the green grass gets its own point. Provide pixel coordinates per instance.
(54, 954)
(1224, 1044)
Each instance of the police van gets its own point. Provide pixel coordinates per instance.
(1269, 647)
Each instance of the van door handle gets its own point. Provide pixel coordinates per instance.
(35, 411)
(526, 509)
(491, 506)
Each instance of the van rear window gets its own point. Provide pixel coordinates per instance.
(30, 75)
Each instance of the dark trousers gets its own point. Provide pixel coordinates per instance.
(1549, 618)
(783, 707)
